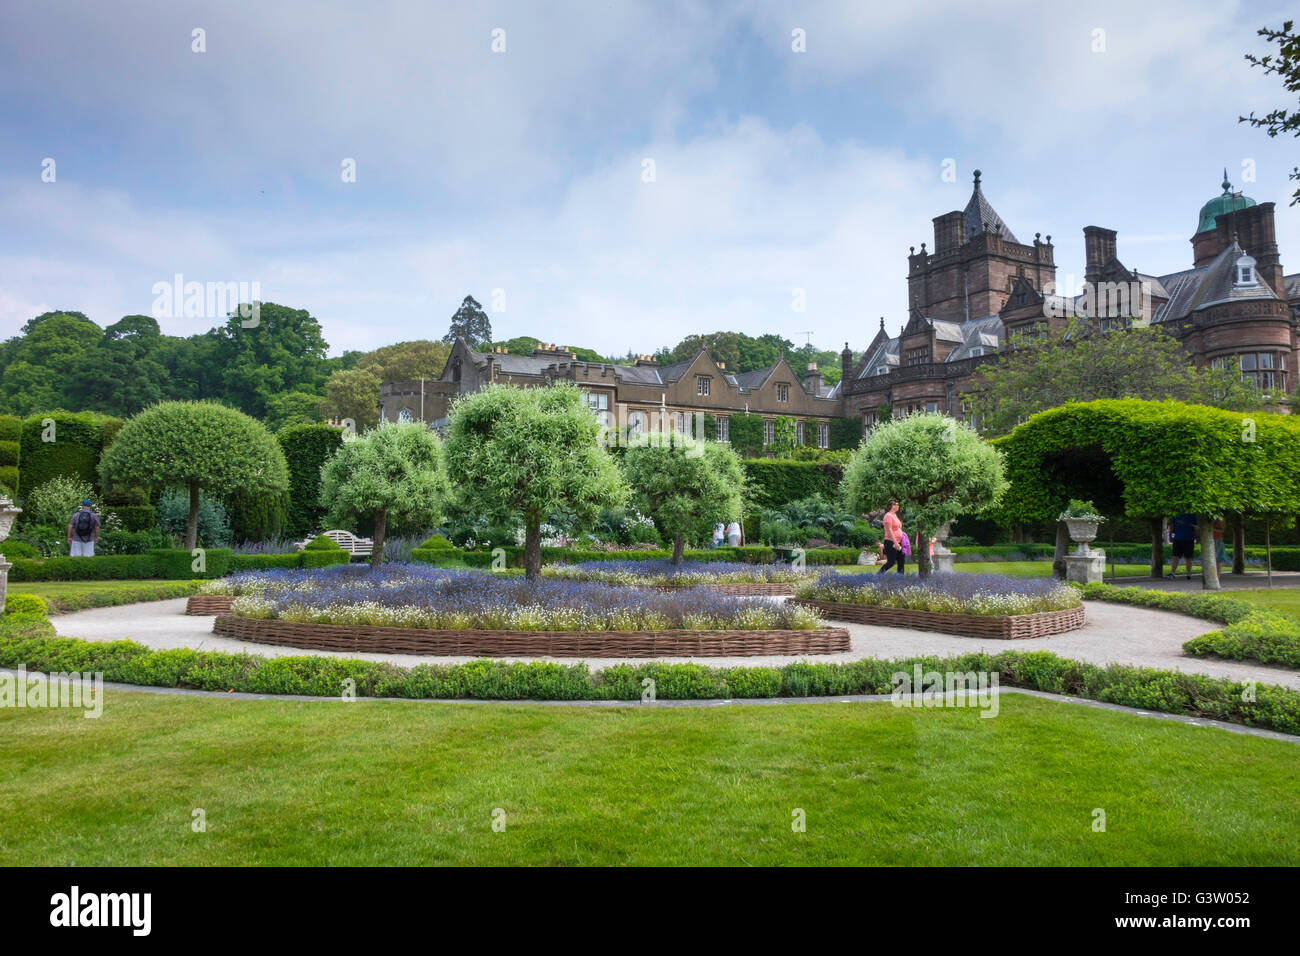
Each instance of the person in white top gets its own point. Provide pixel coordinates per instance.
(733, 534)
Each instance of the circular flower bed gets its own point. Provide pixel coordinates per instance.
(726, 576)
(977, 605)
(415, 609)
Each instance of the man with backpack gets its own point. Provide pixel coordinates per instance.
(83, 532)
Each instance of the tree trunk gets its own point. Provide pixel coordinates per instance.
(922, 554)
(1157, 548)
(381, 530)
(532, 547)
(1062, 546)
(1209, 566)
(192, 523)
(1239, 544)
(679, 548)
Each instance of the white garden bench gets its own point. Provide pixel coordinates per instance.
(356, 547)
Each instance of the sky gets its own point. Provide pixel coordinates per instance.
(611, 175)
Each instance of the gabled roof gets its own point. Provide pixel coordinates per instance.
(1211, 284)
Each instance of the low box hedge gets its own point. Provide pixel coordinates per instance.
(320, 558)
(514, 556)
(264, 562)
(99, 568)
(178, 563)
(28, 639)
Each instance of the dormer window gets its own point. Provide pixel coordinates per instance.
(1245, 272)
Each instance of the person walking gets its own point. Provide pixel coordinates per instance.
(83, 531)
(894, 543)
(719, 534)
(733, 534)
(1182, 532)
(1220, 552)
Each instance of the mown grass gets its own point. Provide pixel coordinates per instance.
(284, 782)
(1286, 600)
(66, 596)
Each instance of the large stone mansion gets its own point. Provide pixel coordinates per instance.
(968, 296)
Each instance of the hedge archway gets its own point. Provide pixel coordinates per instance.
(1153, 459)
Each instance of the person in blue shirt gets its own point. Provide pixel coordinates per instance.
(1182, 532)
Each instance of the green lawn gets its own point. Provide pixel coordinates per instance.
(65, 596)
(284, 782)
(1281, 599)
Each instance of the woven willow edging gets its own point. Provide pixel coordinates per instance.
(200, 604)
(1004, 627)
(484, 643)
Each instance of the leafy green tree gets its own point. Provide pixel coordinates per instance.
(682, 484)
(1078, 365)
(283, 352)
(937, 468)
(471, 323)
(53, 352)
(395, 471)
(1286, 65)
(293, 408)
(126, 374)
(200, 446)
(406, 361)
(523, 453)
(354, 393)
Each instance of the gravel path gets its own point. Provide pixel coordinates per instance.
(1115, 633)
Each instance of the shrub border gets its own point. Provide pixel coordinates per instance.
(29, 640)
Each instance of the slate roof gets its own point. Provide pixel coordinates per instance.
(985, 333)
(1216, 282)
(979, 212)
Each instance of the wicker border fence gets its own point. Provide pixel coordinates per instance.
(1005, 627)
(485, 643)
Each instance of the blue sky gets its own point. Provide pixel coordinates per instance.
(520, 173)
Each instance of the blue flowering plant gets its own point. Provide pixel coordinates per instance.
(955, 593)
(443, 599)
(666, 574)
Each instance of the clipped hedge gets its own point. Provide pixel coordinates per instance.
(178, 563)
(264, 562)
(1252, 632)
(9, 477)
(28, 640)
(774, 483)
(8, 453)
(306, 449)
(99, 568)
(79, 440)
(11, 428)
(111, 597)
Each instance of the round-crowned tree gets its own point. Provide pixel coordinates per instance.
(680, 484)
(197, 446)
(938, 468)
(522, 453)
(393, 471)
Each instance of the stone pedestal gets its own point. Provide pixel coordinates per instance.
(943, 559)
(1086, 568)
(4, 581)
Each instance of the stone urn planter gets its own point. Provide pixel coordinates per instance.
(1082, 531)
(943, 558)
(8, 511)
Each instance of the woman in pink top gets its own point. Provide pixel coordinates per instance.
(893, 539)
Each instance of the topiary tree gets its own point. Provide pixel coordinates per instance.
(522, 453)
(394, 471)
(679, 484)
(198, 446)
(938, 468)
